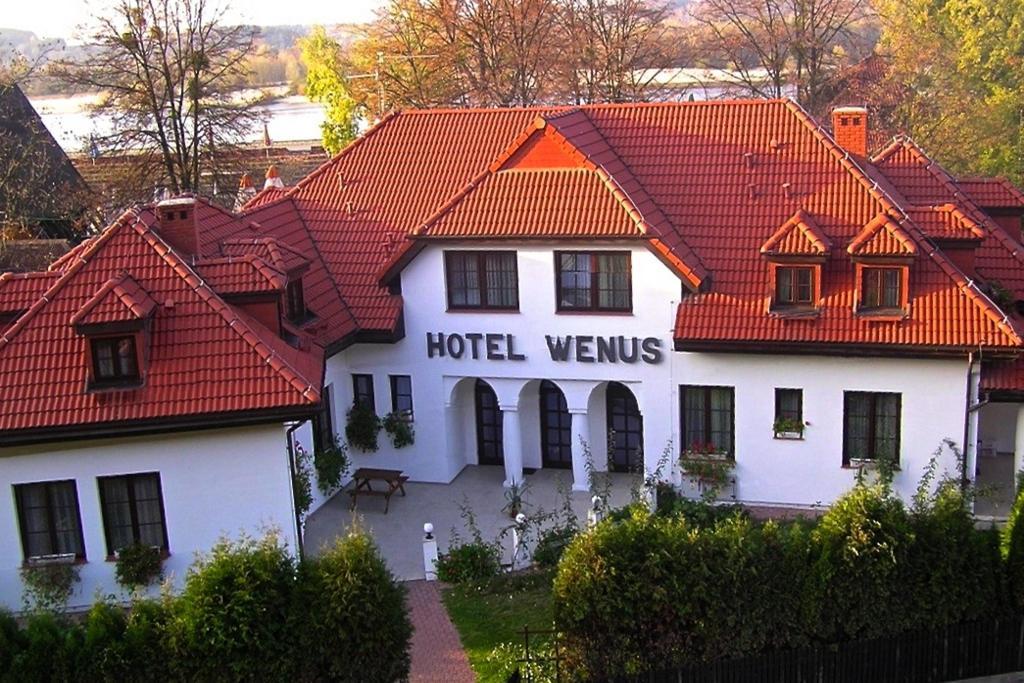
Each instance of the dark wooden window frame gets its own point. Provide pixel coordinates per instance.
(779, 391)
(119, 377)
(546, 390)
(594, 289)
(789, 272)
(479, 389)
(51, 528)
(133, 512)
(865, 271)
(396, 393)
(481, 265)
(295, 301)
(323, 422)
(706, 389)
(872, 416)
(363, 396)
(615, 387)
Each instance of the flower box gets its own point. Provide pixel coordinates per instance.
(792, 436)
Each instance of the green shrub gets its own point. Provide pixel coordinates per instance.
(469, 562)
(352, 615)
(398, 424)
(49, 652)
(231, 621)
(1012, 546)
(12, 642)
(138, 565)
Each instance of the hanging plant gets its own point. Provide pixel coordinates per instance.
(138, 565)
(362, 428)
(398, 424)
(331, 465)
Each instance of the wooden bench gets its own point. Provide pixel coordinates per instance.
(363, 478)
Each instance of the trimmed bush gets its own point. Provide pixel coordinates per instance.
(49, 650)
(12, 642)
(231, 621)
(860, 546)
(352, 615)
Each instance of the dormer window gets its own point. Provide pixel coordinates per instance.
(114, 360)
(794, 287)
(295, 301)
(881, 288)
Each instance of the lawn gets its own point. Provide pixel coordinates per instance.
(490, 621)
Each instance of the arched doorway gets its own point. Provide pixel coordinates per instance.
(489, 448)
(625, 429)
(555, 427)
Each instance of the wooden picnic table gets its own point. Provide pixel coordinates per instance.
(393, 479)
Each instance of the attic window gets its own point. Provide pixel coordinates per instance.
(295, 302)
(115, 361)
(882, 289)
(795, 288)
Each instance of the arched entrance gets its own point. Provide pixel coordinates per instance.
(625, 429)
(555, 427)
(489, 448)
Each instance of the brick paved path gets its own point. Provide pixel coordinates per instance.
(437, 655)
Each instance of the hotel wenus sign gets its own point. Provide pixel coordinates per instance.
(579, 348)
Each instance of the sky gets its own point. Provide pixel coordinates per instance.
(59, 18)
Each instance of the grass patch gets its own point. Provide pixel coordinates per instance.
(490, 620)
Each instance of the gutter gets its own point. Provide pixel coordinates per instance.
(971, 408)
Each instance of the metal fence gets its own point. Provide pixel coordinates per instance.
(958, 651)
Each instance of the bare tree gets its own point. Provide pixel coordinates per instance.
(168, 70)
(779, 47)
(616, 50)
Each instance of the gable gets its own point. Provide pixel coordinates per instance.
(543, 150)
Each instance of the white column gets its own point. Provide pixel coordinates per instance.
(580, 436)
(1018, 442)
(512, 443)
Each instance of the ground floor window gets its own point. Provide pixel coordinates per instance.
(625, 429)
(401, 394)
(49, 519)
(323, 422)
(362, 391)
(707, 419)
(871, 426)
(789, 410)
(555, 427)
(133, 511)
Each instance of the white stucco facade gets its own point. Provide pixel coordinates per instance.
(771, 471)
(215, 484)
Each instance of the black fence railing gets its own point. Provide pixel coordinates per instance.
(958, 651)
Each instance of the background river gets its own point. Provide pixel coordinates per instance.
(288, 119)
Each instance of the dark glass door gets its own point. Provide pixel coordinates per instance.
(555, 427)
(488, 426)
(625, 429)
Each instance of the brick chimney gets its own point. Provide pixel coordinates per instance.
(850, 129)
(178, 224)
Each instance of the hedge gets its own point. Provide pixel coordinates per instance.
(655, 591)
(248, 612)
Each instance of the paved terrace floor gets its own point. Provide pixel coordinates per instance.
(399, 533)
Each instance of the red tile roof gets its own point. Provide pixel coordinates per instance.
(281, 256)
(18, 291)
(993, 193)
(120, 299)
(247, 274)
(208, 361)
(882, 236)
(946, 222)
(712, 183)
(799, 236)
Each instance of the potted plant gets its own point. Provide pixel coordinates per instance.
(788, 428)
(709, 467)
(704, 451)
(398, 423)
(514, 498)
